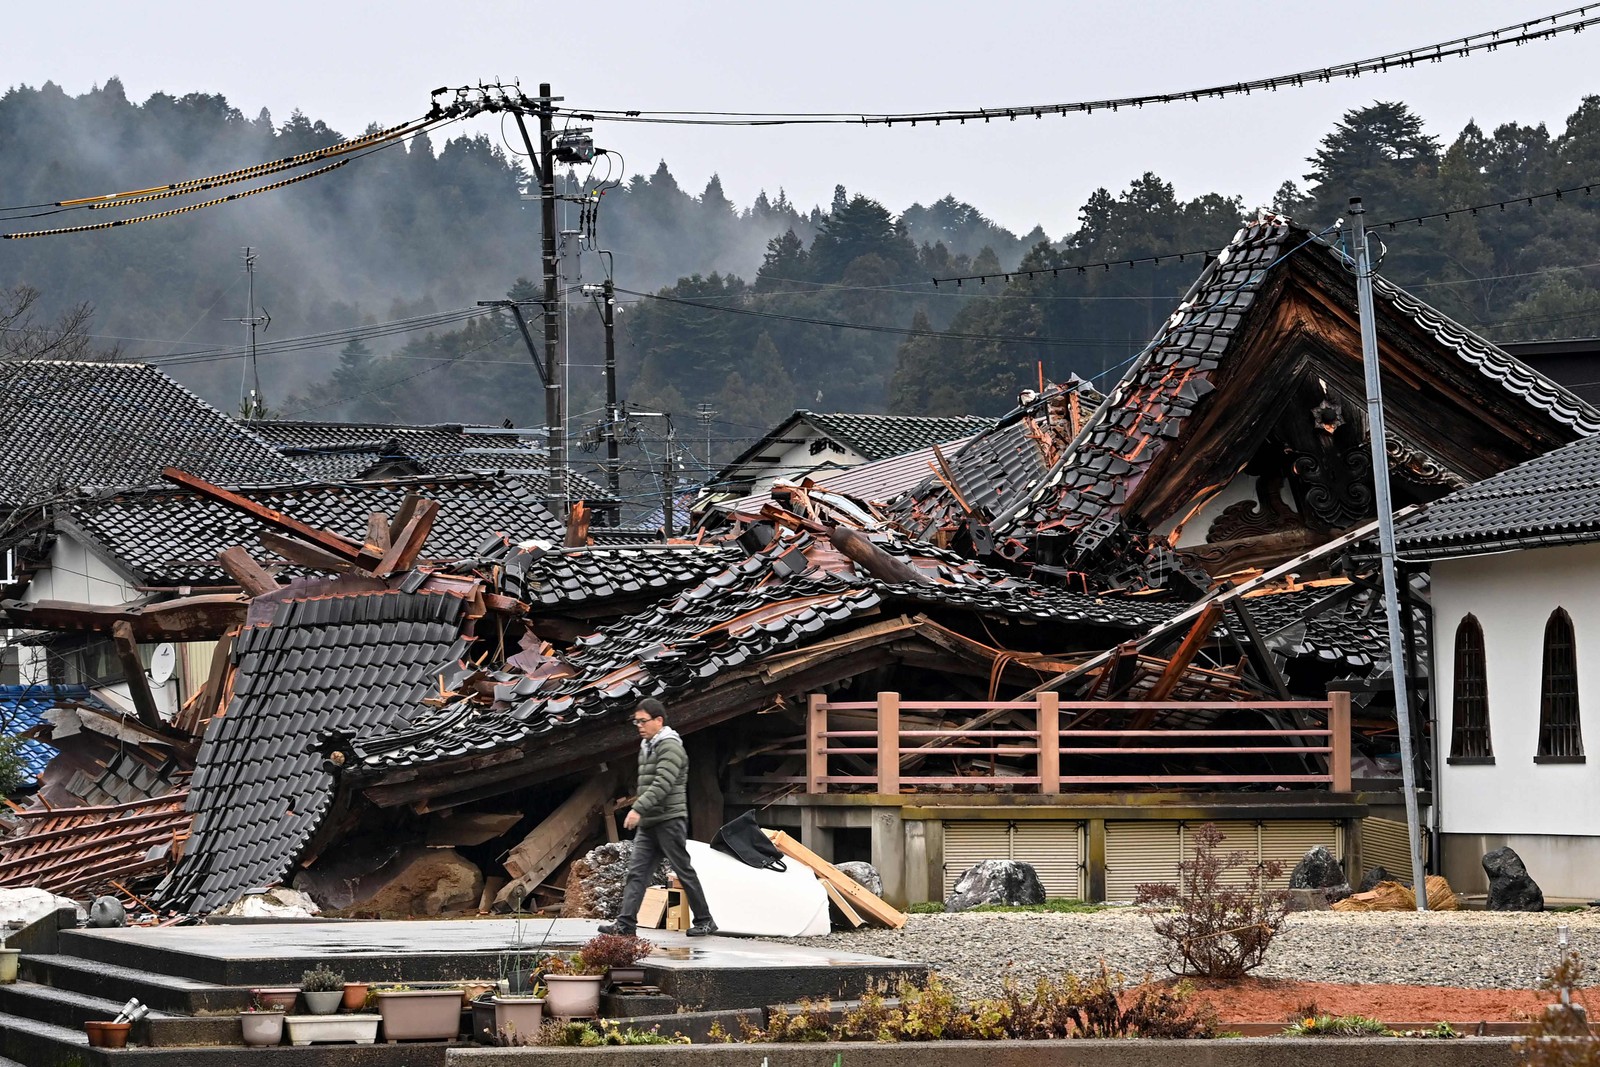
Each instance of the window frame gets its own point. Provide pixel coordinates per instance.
(1560, 707)
(1471, 739)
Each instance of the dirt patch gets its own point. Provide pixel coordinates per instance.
(1273, 1000)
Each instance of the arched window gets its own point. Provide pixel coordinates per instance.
(1469, 733)
(1560, 733)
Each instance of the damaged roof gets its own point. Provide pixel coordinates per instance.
(1553, 499)
(75, 851)
(568, 578)
(69, 425)
(24, 707)
(172, 536)
(322, 665)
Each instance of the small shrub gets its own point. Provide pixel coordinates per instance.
(1559, 1036)
(1213, 929)
(321, 980)
(604, 951)
(1440, 1031)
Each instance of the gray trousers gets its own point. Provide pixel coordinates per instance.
(650, 845)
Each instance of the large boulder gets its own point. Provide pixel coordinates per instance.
(1374, 875)
(996, 882)
(1510, 887)
(411, 881)
(864, 875)
(1319, 869)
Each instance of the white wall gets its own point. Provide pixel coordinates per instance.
(1513, 594)
(797, 459)
(78, 574)
(1242, 487)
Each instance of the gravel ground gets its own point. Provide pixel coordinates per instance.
(974, 952)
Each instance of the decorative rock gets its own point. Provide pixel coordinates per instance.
(1307, 900)
(1320, 869)
(1374, 875)
(107, 912)
(1510, 887)
(864, 875)
(996, 882)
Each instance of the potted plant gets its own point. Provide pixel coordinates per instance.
(520, 1014)
(107, 1034)
(284, 998)
(355, 996)
(323, 990)
(419, 1014)
(572, 987)
(260, 1024)
(483, 1028)
(618, 955)
(307, 1029)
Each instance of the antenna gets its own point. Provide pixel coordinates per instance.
(251, 402)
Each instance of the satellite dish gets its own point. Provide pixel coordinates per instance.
(163, 661)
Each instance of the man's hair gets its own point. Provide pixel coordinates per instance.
(653, 708)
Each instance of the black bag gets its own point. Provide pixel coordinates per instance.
(742, 838)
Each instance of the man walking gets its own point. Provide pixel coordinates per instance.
(660, 822)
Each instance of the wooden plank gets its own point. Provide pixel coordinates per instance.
(307, 555)
(221, 663)
(1048, 723)
(408, 508)
(1193, 641)
(547, 846)
(577, 526)
(242, 568)
(329, 542)
(864, 901)
(377, 535)
(469, 828)
(1339, 739)
(851, 915)
(404, 550)
(888, 742)
(144, 702)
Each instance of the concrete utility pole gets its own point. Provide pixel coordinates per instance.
(251, 403)
(1391, 591)
(608, 315)
(555, 402)
(668, 490)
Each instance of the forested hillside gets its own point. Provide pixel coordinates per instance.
(754, 309)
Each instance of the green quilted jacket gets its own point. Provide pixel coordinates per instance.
(663, 779)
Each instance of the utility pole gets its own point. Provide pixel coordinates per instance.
(668, 490)
(608, 316)
(251, 403)
(1391, 592)
(555, 405)
(705, 413)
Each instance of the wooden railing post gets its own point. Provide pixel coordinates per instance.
(1049, 727)
(888, 742)
(1339, 740)
(816, 743)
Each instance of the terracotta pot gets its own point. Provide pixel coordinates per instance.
(573, 996)
(471, 991)
(283, 998)
(420, 1014)
(355, 996)
(107, 1034)
(261, 1027)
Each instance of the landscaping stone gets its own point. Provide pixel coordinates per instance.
(1307, 900)
(1374, 875)
(1510, 886)
(864, 875)
(1319, 869)
(996, 882)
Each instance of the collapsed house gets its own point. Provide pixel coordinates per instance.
(1063, 638)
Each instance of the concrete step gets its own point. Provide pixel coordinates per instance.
(33, 1043)
(62, 1007)
(160, 992)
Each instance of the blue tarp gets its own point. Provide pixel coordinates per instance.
(23, 706)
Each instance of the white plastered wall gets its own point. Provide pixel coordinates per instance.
(1513, 594)
(81, 575)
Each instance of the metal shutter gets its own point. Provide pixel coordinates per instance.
(1239, 835)
(1137, 852)
(1288, 840)
(967, 843)
(1385, 843)
(1056, 851)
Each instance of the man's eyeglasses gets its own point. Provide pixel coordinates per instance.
(640, 722)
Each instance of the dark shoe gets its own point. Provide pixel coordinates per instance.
(704, 928)
(621, 928)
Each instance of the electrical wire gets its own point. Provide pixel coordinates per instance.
(1544, 28)
(329, 338)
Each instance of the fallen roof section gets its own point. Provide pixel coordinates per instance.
(78, 852)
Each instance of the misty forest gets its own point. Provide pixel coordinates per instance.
(415, 235)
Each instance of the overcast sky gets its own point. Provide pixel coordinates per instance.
(352, 64)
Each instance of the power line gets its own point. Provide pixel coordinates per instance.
(329, 338)
(1543, 28)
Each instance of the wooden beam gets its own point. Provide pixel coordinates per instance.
(1193, 641)
(342, 547)
(549, 844)
(874, 560)
(377, 534)
(816, 743)
(577, 526)
(846, 909)
(403, 551)
(862, 899)
(307, 555)
(242, 568)
(888, 743)
(408, 508)
(468, 828)
(144, 702)
(216, 678)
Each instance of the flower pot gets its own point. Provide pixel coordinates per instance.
(107, 1034)
(355, 996)
(306, 1029)
(471, 991)
(323, 1002)
(625, 976)
(261, 1027)
(517, 1019)
(483, 1022)
(280, 998)
(420, 1014)
(573, 996)
(8, 964)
